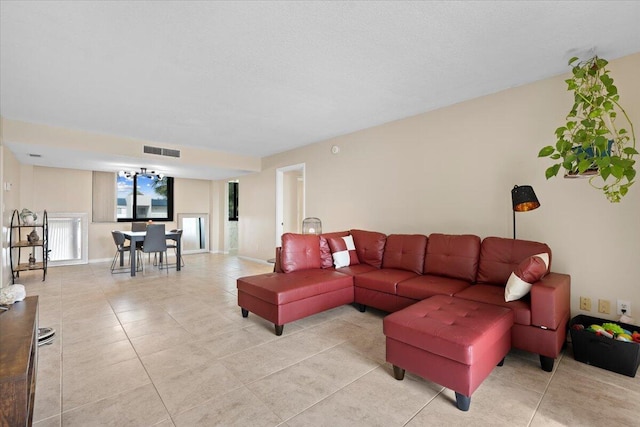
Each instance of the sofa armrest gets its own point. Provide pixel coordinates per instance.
(551, 300)
(277, 267)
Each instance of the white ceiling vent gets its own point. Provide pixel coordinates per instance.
(161, 151)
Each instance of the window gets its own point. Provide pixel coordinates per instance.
(68, 238)
(144, 197)
(233, 201)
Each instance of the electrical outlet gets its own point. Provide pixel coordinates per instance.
(585, 304)
(624, 305)
(604, 306)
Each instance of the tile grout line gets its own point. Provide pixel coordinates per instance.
(141, 363)
(544, 392)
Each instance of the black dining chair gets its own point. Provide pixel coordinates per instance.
(121, 248)
(155, 241)
(173, 244)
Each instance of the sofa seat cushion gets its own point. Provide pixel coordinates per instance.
(492, 294)
(354, 270)
(283, 288)
(423, 287)
(450, 327)
(384, 280)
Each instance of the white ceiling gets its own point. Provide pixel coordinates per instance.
(258, 78)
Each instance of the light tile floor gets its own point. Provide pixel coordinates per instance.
(174, 350)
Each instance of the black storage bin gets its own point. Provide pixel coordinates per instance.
(607, 353)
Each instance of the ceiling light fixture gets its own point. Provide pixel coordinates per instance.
(143, 172)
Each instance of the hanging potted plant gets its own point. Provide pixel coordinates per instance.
(591, 143)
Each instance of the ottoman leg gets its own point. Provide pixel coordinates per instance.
(462, 401)
(501, 362)
(546, 363)
(398, 373)
(245, 312)
(279, 329)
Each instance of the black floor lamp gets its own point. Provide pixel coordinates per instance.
(523, 199)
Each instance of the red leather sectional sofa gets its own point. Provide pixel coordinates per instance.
(398, 270)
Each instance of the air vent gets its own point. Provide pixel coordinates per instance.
(161, 151)
(152, 150)
(170, 153)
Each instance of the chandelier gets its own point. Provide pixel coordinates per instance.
(143, 172)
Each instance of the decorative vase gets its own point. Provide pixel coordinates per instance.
(28, 217)
(33, 237)
(32, 261)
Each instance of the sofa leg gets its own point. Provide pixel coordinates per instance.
(279, 329)
(361, 307)
(501, 362)
(462, 401)
(398, 373)
(245, 312)
(546, 363)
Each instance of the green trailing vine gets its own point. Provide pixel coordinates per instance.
(592, 143)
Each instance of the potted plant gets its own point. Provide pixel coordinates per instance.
(592, 143)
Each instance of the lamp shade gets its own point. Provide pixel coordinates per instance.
(524, 198)
(311, 225)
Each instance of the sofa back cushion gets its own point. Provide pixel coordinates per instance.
(453, 255)
(500, 256)
(325, 250)
(300, 252)
(405, 252)
(369, 246)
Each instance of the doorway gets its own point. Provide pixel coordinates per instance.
(290, 200)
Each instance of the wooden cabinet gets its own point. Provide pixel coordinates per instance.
(22, 247)
(18, 362)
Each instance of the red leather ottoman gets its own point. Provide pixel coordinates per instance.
(285, 297)
(450, 341)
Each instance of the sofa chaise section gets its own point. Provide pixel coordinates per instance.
(301, 290)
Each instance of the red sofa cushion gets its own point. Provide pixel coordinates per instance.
(278, 288)
(354, 270)
(454, 256)
(423, 287)
(384, 280)
(369, 246)
(300, 252)
(492, 294)
(499, 257)
(405, 252)
(325, 250)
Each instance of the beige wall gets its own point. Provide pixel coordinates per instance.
(10, 201)
(451, 170)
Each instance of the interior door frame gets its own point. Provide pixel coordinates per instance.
(205, 231)
(280, 196)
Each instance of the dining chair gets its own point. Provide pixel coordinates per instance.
(155, 241)
(138, 226)
(173, 244)
(121, 248)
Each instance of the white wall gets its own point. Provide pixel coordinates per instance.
(452, 170)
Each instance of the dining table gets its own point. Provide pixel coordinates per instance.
(138, 236)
